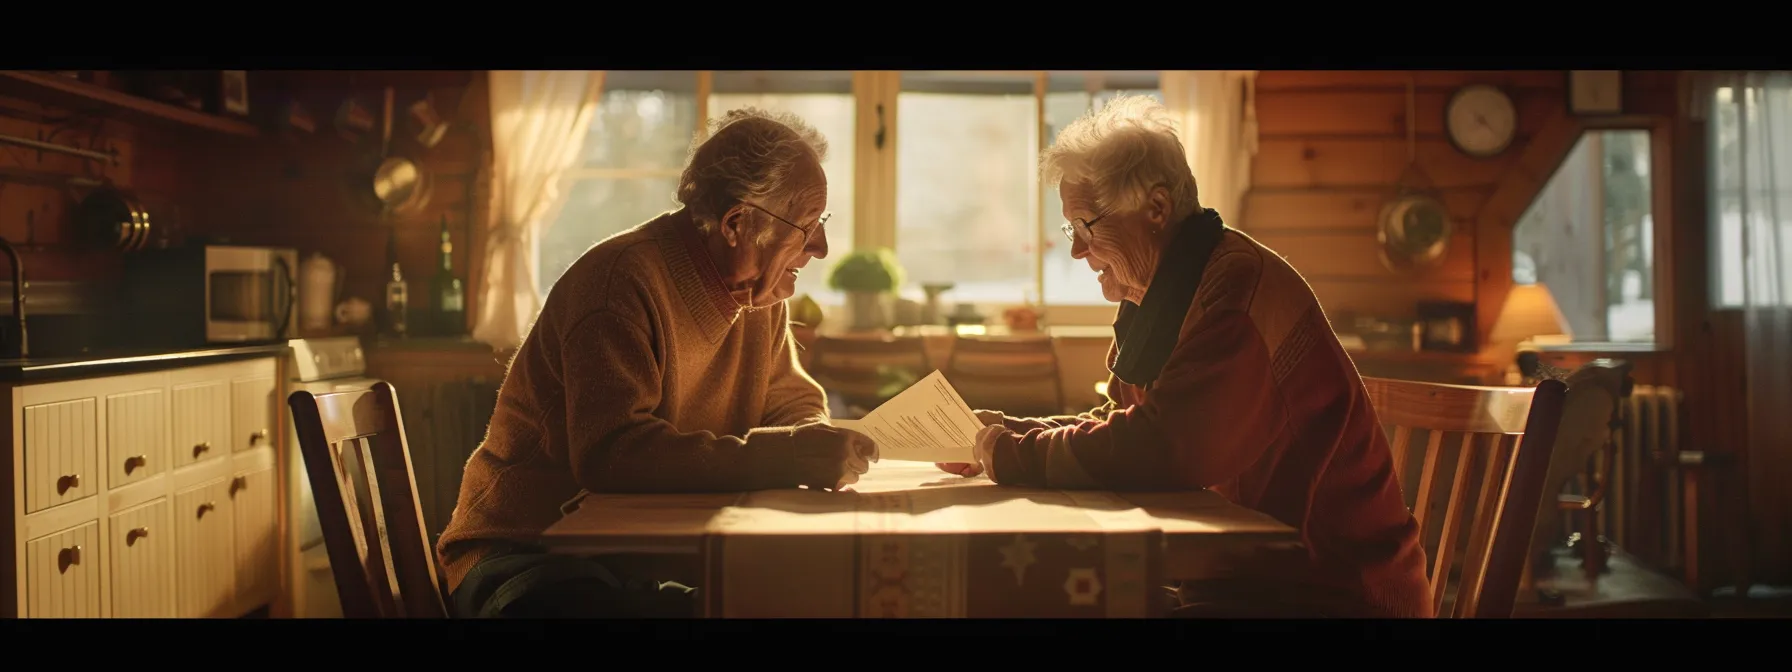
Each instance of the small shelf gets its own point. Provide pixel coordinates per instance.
(81, 96)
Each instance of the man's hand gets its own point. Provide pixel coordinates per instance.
(829, 457)
(964, 468)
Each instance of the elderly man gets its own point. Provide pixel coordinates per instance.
(1226, 376)
(662, 362)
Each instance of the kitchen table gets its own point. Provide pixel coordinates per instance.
(911, 541)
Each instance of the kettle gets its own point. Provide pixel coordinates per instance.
(319, 280)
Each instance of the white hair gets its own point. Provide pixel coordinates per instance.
(1123, 151)
(748, 154)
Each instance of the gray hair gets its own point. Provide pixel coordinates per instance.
(1123, 150)
(747, 155)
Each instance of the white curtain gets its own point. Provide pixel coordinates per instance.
(539, 122)
(1217, 120)
(1750, 117)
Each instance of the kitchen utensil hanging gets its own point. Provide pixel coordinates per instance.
(398, 184)
(112, 217)
(1414, 227)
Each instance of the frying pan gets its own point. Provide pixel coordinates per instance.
(112, 217)
(399, 185)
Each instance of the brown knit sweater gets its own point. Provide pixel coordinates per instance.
(640, 375)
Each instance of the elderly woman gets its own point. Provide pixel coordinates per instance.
(1226, 376)
(661, 362)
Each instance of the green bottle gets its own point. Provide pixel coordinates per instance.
(450, 297)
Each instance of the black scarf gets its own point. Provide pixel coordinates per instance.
(1147, 331)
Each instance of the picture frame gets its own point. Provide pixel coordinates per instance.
(1446, 326)
(233, 92)
(1595, 92)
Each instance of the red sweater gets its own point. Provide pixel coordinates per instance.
(1259, 403)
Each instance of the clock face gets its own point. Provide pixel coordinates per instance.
(1481, 120)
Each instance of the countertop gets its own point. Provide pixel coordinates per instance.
(111, 362)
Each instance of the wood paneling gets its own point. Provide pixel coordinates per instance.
(1333, 151)
(253, 188)
(305, 193)
(1300, 209)
(1440, 80)
(1371, 112)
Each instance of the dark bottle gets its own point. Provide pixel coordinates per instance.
(398, 297)
(450, 297)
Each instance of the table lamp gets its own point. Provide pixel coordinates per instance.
(1529, 318)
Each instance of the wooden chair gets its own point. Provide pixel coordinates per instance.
(360, 469)
(861, 369)
(1586, 454)
(1503, 438)
(1014, 375)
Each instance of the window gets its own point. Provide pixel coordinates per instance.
(1597, 206)
(634, 153)
(966, 155)
(825, 100)
(1751, 142)
(960, 198)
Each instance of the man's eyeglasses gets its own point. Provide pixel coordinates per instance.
(806, 232)
(1079, 228)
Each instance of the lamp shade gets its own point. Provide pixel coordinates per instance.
(1530, 311)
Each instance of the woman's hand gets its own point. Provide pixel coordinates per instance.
(966, 469)
(988, 441)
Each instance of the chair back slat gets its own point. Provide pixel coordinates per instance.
(1492, 446)
(359, 466)
(860, 368)
(1018, 376)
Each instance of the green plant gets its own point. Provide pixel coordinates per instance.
(867, 271)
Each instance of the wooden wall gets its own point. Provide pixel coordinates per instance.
(249, 187)
(35, 198)
(299, 191)
(1332, 149)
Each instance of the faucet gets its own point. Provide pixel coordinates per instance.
(18, 301)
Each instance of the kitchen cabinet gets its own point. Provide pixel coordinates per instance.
(147, 494)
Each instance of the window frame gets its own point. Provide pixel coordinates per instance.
(1660, 281)
(874, 175)
(1491, 293)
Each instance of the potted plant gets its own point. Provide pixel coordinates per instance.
(867, 277)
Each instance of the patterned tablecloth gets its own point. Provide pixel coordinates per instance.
(911, 541)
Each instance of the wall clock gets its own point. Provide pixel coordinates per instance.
(1595, 91)
(1480, 120)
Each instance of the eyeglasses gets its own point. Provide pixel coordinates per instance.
(806, 232)
(1079, 228)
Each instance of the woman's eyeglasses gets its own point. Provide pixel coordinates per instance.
(1079, 228)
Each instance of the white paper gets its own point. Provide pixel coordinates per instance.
(928, 422)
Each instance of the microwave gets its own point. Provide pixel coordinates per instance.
(209, 294)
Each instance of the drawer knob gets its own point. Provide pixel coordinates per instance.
(258, 436)
(69, 557)
(203, 508)
(238, 483)
(67, 483)
(134, 463)
(201, 449)
(131, 537)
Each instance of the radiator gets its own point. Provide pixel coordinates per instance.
(1649, 427)
(443, 423)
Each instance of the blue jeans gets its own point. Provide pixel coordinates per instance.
(521, 582)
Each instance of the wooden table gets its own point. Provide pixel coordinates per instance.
(911, 541)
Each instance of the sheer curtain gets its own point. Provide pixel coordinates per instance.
(539, 122)
(1217, 120)
(1750, 117)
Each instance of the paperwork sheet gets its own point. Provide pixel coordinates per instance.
(928, 422)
